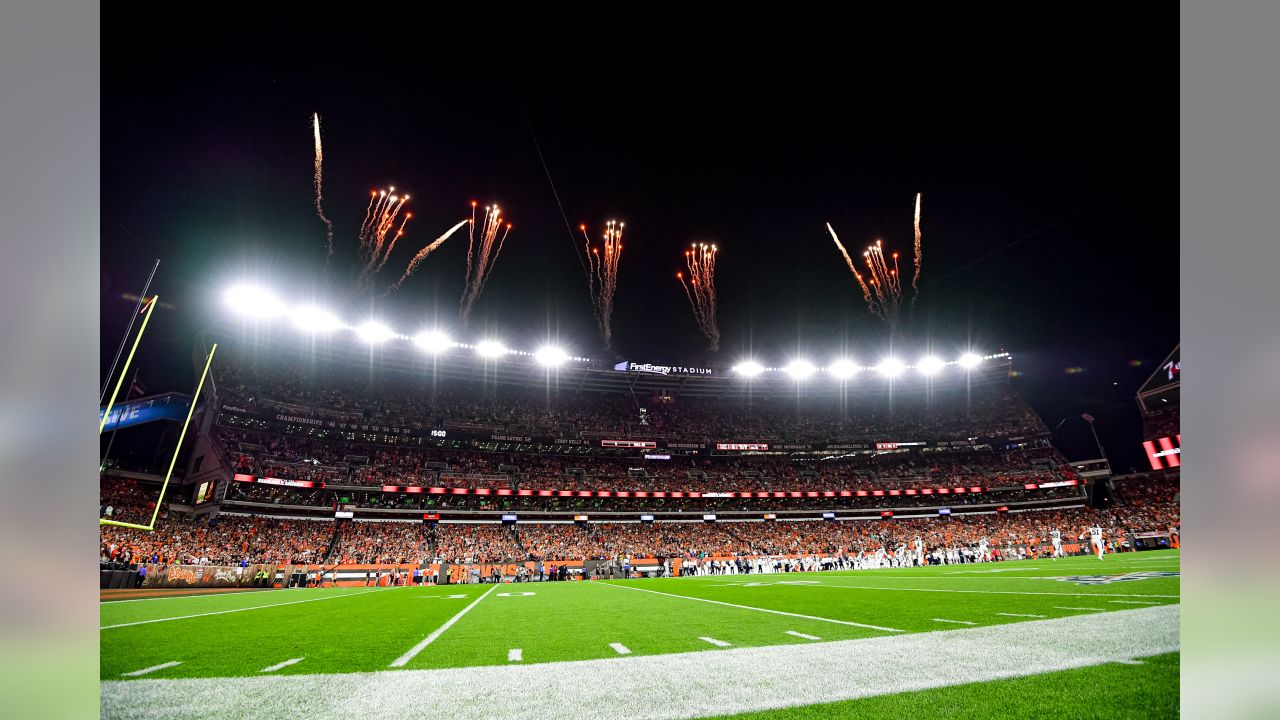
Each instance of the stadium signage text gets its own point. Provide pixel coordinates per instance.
(742, 446)
(639, 444)
(652, 369)
(299, 420)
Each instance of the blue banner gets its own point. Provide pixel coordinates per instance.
(167, 406)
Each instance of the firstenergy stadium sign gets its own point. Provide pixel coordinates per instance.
(651, 369)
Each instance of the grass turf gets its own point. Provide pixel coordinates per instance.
(1103, 692)
(361, 630)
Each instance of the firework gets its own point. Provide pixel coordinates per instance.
(919, 256)
(602, 275)
(700, 263)
(424, 252)
(482, 255)
(315, 118)
(379, 224)
(882, 288)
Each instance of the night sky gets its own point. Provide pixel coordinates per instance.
(1047, 163)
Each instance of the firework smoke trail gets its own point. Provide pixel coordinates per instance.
(424, 252)
(700, 260)
(315, 118)
(481, 256)
(919, 256)
(602, 276)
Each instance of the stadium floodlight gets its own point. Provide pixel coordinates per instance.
(550, 356)
(930, 365)
(491, 349)
(433, 341)
(890, 367)
(800, 369)
(254, 301)
(312, 319)
(374, 332)
(843, 369)
(968, 361)
(750, 368)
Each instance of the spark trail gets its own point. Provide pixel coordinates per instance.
(424, 252)
(602, 275)
(700, 262)
(919, 256)
(482, 255)
(315, 118)
(882, 288)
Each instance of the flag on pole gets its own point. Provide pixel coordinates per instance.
(1087, 418)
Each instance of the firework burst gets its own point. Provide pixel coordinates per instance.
(379, 224)
(482, 255)
(882, 286)
(602, 275)
(700, 288)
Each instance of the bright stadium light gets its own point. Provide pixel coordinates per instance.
(800, 369)
(890, 367)
(843, 369)
(491, 349)
(433, 341)
(374, 332)
(930, 365)
(550, 356)
(750, 368)
(968, 361)
(254, 302)
(316, 320)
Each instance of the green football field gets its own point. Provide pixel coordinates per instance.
(1077, 637)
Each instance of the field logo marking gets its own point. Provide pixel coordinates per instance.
(413, 651)
(1108, 579)
(757, 609)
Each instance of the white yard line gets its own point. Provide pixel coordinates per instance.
(802, 635)
(1020, 615)
(152, 669)
(763, 678)
(758, 609)
(717, 643)
(236, 610)
(515, 655)
(954, 622)
(413, 651)
(1061, 607)
(1133, 602)
(620, 648)
(281, 665)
